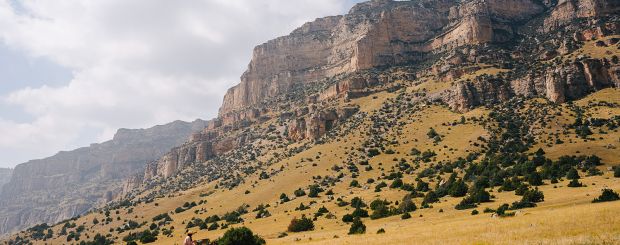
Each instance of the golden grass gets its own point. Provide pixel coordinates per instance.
(566, 216)
(485, 70)
(590, 49)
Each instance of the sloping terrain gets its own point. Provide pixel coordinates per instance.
(566, 215)
(470, 131)
(70, 183)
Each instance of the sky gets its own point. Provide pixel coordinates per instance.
(72, 72)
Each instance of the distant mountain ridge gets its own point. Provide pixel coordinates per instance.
(5, 176)
(71, 182)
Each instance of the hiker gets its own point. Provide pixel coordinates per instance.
(188, 239)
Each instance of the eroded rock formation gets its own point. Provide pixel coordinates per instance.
(70, 183)
(373, 34)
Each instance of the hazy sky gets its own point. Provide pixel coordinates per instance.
(74, 71)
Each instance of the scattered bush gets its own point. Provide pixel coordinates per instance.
(575, 183)
(299, 225)
(357, 227)
(241, 235)
(607, 195)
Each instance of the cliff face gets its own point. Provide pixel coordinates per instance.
(372, 34)
(384, 33)
(70, 183)
(558, 84)
(5, 176)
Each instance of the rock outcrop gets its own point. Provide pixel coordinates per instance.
(558, 84)
(566, 11)
(571, 81)
(70, 183)
(5, 176)
(313, 125)
(373, 34)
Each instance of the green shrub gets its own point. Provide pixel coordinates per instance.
(572, 174)
(148, 237)
(357, 202)
(405, 216)
(299, 192)
(358, 212)
(379, 186)
(241, 235)
(458, 189)
(357, 227)
(397, 183)
(466, 203)
(535, 179)
(347, 218)
(431, 197)
(299, 225)
(380, 211)
(529, 199)
(407, 204)
(575, 183)
(607, 195)
(314, 191)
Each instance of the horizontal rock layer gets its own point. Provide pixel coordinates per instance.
(372, 34)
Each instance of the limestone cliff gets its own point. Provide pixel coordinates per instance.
(338, 51)
(373, 34)
(70, 183)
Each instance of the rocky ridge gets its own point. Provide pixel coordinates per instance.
(70, 183)
(381, 43)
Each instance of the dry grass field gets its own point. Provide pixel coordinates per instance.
(567, 215)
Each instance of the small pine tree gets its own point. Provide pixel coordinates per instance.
(407, 205)
(607, 195)
(535, 179)
(572, 174)
(397, 183)
(617, 172)
(575, 183)
(357, 227)
(303, 224)
(458, 189)
(241, 235)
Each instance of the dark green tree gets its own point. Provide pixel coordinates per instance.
(240, 236)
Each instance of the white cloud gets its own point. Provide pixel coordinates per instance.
(135, 63)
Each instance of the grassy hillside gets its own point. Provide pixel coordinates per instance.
(565, 216)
